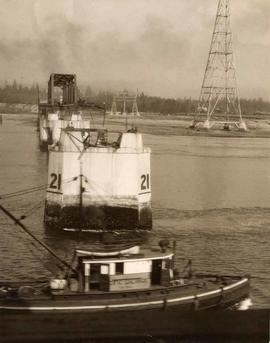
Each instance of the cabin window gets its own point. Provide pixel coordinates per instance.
(95, 269)
(119, 268)
(133, 267)
(104, 269)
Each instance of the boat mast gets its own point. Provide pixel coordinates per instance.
(81, 196)
(45, 246)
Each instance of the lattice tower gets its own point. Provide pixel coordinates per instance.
(124, 98)
(219, 97)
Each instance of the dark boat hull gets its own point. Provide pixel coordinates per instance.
(160, 312)
(183, 298)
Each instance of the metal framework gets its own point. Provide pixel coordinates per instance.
(68, 85)
(124, 97)
(219, 97)
(68, 100)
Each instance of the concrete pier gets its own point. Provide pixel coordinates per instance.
(99, 180)
(51, 124)
(48, 124)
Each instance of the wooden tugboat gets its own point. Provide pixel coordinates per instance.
(116, 292)
(124, 280)
(130, 279)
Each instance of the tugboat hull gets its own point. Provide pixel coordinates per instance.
(138, 314)
(181, 298)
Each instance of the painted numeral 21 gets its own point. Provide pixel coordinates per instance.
(145, 181)
(55, 181)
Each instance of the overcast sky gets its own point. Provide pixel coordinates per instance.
(159, 47)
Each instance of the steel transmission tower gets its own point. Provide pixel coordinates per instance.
(219, 97)
(125, 97)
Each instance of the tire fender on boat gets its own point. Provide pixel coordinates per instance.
(26, 291)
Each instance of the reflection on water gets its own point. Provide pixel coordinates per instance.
(211, 195)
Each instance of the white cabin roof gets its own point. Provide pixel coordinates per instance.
(129, 251)
(131, 254)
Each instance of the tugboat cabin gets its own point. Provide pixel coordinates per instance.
(129, 269)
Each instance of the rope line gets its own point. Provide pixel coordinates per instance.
(22, 193)
(72, 140)
(28, 190)
(33, 189)
(33, 249)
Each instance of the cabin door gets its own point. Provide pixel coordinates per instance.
(95, 275)
(156, 272)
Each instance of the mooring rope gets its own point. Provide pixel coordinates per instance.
(33, 189)
(23, 191)
(34, 238)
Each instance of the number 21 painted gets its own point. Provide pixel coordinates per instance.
(55, 181)
(145, 181)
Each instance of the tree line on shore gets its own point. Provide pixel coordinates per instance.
(16, 93)
(154, 104)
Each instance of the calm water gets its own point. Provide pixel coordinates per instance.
(210, 194)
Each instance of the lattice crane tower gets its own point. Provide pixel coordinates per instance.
(124, 98)
(219, 97)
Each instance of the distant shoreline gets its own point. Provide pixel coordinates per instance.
(172, 125)
(180, 126)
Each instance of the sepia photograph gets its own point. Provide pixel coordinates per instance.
(134, 171)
